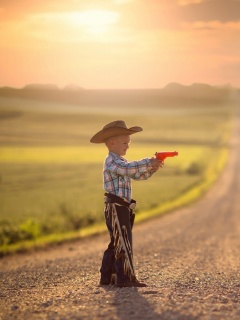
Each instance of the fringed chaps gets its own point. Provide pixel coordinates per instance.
(122, 245)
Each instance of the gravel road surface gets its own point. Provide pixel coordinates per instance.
(189, 260)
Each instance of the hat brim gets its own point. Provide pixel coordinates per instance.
(102, 135)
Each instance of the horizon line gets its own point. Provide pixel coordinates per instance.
(76, 87)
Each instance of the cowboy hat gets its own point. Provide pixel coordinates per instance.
(112, 129)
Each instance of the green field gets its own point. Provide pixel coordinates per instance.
(51, 176)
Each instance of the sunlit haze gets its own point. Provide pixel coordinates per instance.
(119, 43)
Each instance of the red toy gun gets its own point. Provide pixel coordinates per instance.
(163, 155)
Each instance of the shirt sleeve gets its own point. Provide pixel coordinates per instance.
(133, 169)
(143, 176)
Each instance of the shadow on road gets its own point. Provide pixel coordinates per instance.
(133, 304)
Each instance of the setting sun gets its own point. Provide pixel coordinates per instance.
(70, 26)
(96, 21)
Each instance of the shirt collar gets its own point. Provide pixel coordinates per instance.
(116, 155)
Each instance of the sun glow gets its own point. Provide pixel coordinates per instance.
(95, 21)
(70, 26)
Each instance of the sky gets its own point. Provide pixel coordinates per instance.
(111, 44)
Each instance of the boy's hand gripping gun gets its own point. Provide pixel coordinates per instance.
(163, 155)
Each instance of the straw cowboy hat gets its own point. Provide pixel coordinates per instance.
(112, 129)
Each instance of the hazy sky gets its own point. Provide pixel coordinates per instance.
(119, 43)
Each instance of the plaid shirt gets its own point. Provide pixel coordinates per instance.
(118, 172)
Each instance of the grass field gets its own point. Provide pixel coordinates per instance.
(51, 176)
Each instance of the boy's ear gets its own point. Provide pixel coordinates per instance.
(112, 141)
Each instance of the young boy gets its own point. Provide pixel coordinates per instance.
(119, 205)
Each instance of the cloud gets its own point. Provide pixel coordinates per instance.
(170, 14)
(212, 25)
(221, 10)
(187, 2)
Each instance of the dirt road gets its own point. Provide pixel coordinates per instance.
(189, 259)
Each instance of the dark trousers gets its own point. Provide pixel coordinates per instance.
(110, 262)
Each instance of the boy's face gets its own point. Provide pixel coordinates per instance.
(120, 144)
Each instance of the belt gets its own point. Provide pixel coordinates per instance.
(112, 198)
